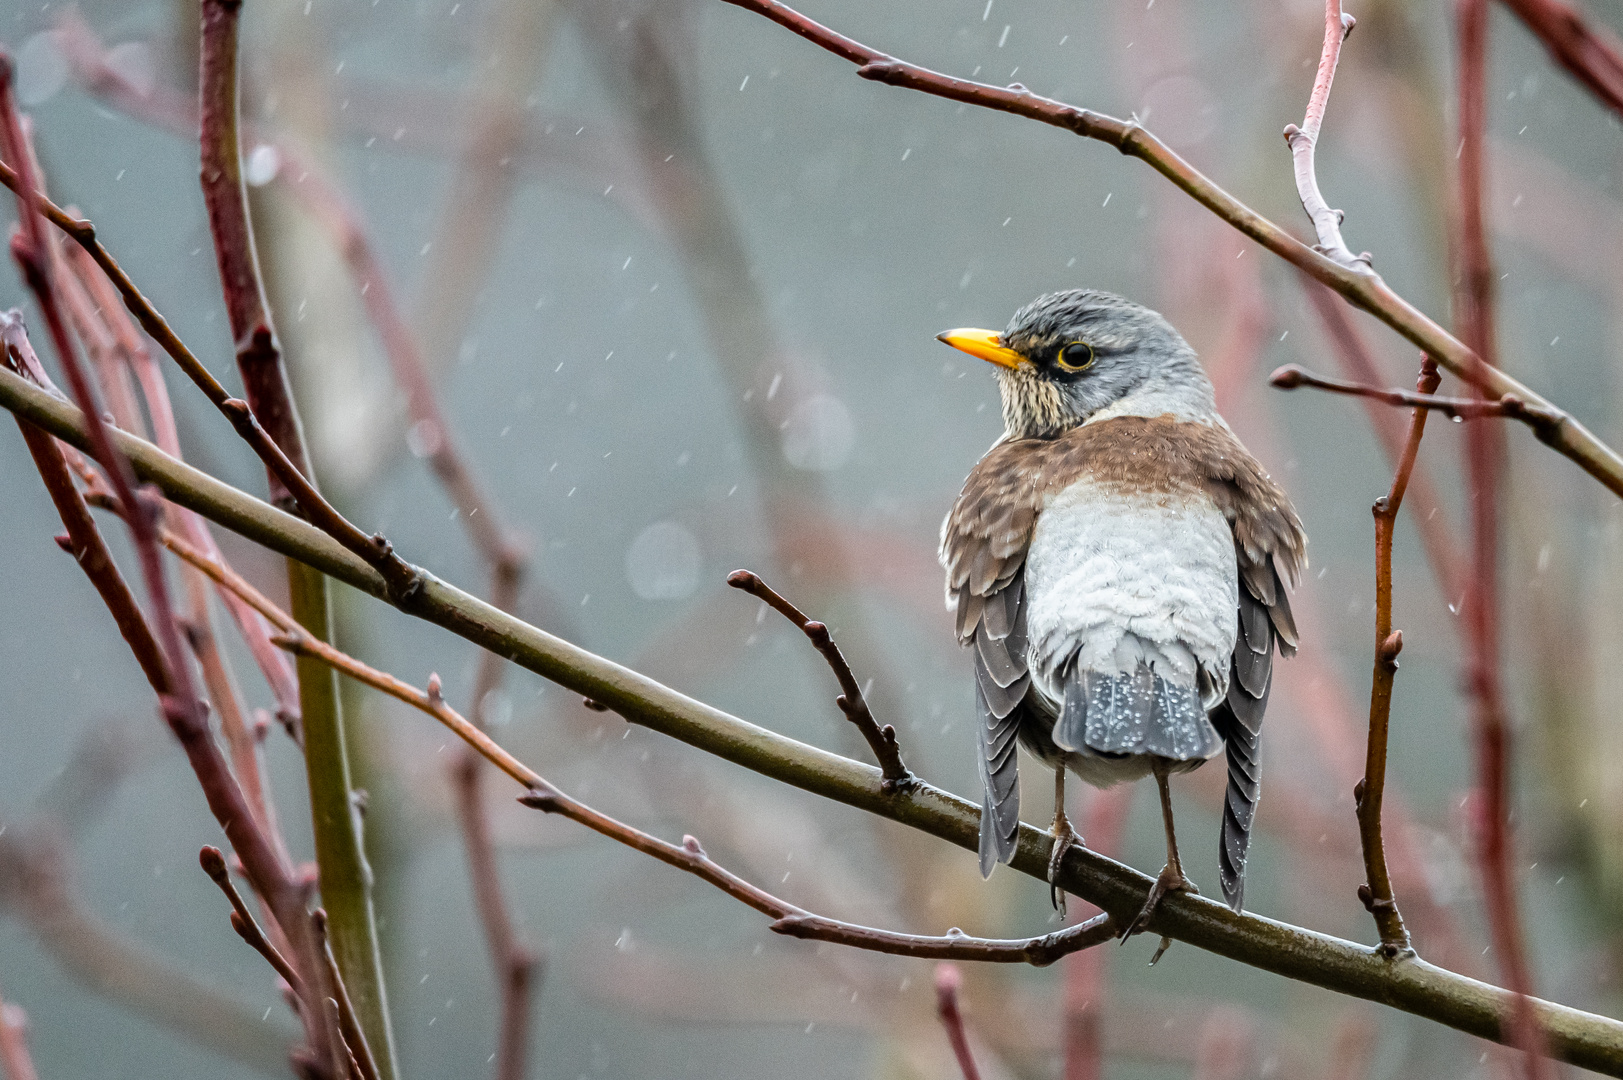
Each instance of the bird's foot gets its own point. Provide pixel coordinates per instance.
(1171, 879)
(1064, 838)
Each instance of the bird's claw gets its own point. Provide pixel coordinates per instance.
(1171, 879)
(1064, 838)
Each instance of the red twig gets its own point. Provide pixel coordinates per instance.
(14, 1056)
(260, 857)
(517, 965)
(1291, 376)
(1484, 459)
(243, 922)
(882, 740)
(1369, 792)
(1592, 55)
(160, 648)
(1302, 141)
(948, 982)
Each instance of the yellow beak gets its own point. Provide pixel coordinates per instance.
(984, 344)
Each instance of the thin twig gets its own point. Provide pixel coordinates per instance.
(14, 1055)
(1591, 54)
(272, 662)
(243, 922)
(1585, 1039)
(270, 875)
(1291, 377)
(948, 982)
(1362, 287)
(1484, 448)
(349, 1025)
(517, 965)
(882, 740)
(1303, 140)
(1369, 792)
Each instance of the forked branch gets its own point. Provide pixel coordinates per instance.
(881, 740)
(1304, 140)
(1376, 893)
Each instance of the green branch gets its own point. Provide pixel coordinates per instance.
(1584, 1039)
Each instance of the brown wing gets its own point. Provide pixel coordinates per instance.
(983, 547)
(1268, 536)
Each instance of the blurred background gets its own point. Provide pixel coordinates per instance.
(677, 274)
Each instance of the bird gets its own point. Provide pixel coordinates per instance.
(1117, 563)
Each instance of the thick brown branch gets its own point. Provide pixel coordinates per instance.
(1361, 286)
(1585, 1039)
(882, 740)
(1303, 140)
(948, 982)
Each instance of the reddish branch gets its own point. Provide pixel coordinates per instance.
(243, 922)
(1592, 55)
(157, 646)
(1290, 377)
(1474, 302)
(349, 1025)
(948, 982)
(1302, 141)
(882, 740)
(259, 359)
(1368, 794)
(272, 662)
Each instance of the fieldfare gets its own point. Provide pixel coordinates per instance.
(1117, 562)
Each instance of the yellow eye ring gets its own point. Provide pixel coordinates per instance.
(1074, 348)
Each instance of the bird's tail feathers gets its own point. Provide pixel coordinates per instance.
(1137, 713)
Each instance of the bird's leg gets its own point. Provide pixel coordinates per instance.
(1064, 837)
(1172, 878)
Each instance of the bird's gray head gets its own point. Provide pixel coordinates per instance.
(1069, 355)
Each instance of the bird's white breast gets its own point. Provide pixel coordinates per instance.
(1117, 578)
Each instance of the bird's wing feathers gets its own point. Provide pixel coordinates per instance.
(1001, 682)
(984, 542)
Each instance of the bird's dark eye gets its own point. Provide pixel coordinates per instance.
(1077, 356)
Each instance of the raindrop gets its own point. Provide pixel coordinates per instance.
(819, 434)
(662, 563)
(42, 71)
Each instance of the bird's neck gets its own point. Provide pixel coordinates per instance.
(1185, 400)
